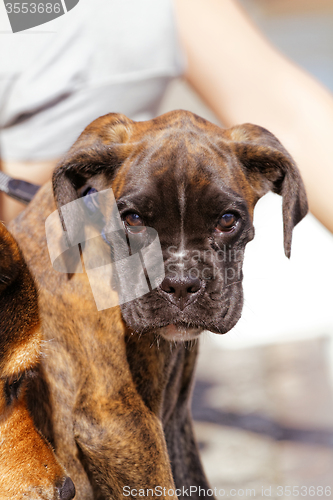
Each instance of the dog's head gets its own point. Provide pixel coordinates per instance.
(196, 185)
(28, 466)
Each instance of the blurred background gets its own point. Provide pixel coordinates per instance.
(263, 401)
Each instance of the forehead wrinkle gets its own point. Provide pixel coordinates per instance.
(137, 161)
(182, 168)
(182, 206)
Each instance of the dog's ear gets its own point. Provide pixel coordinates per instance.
(10, 259)
(101, 148)
(269, 167)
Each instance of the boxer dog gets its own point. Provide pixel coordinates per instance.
(119, 380)
(28, 466)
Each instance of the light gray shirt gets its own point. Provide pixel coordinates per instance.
(102, 56)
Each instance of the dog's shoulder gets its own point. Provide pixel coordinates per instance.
(29, 227)
(59, 292)
(29, 231)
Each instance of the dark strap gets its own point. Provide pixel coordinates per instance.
(19, 190)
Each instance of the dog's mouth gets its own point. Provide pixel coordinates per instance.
(180, 332)
(152, 315)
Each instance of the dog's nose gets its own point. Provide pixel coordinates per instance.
(67, 490)
(181, 290)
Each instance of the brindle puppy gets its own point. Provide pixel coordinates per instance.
(28, 467)
(119, 385)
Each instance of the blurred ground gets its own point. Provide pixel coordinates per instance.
(264, 417)
(263, 400)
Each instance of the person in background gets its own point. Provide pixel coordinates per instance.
(107, 60)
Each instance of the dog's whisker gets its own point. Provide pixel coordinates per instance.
(5, 279)
(233, 283)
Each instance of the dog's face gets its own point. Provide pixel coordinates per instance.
(28, 466)
(196, 185)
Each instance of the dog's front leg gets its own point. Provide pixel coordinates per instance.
(163, 374)
(186, 466)
(122, 445)
(187, 469)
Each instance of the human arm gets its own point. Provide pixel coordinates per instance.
(244, 79)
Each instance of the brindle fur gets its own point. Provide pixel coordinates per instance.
(118, 406)
(28, 466)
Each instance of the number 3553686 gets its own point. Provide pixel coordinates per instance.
(33, 8)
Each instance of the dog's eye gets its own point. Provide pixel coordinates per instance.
(134, 223)
(226, 223)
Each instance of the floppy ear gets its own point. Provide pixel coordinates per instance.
(101, 148)
(9, 259)
(269, 167)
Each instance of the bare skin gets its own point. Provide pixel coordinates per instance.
(244, 79)
(37, 172)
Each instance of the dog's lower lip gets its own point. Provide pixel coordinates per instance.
(176, 331)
